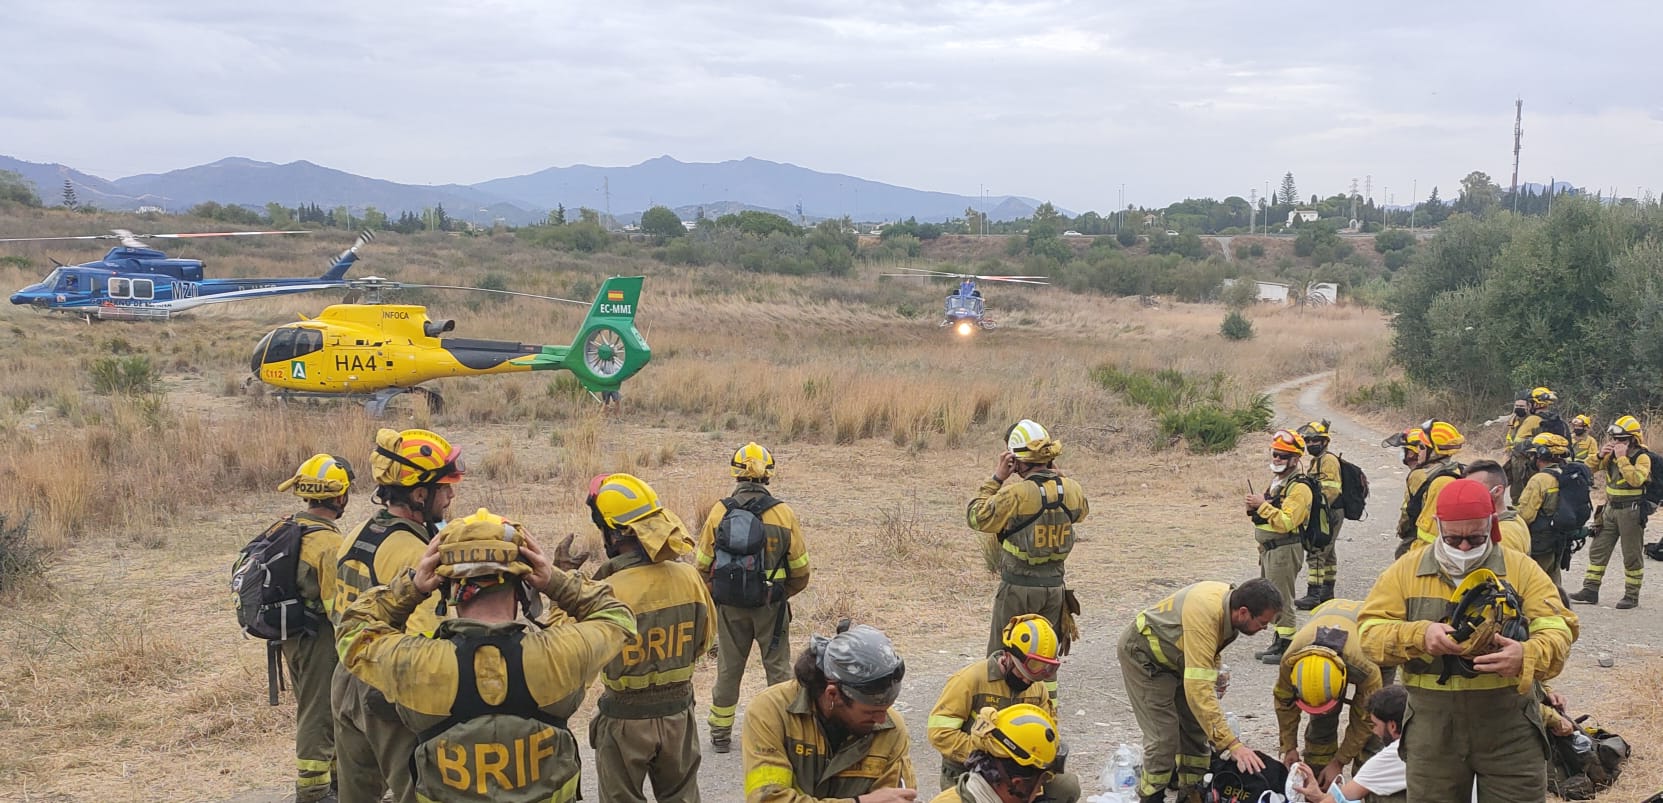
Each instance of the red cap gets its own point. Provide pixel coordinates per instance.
(1465, 500)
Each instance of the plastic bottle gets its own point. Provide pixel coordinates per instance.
(1222, 684)
(1581, 743)
(1125, 778)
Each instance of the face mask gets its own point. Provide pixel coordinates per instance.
(1316, 449)
(1458, 564)
(1520, 412)
(1579, 432)
(1278, 468)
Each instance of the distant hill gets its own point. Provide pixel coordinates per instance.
(754, 182)
(719, 187)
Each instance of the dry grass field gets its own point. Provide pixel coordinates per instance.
(123, 675)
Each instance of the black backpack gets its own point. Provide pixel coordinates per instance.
(739, 573)
(1654, 480)
(264, 582)
(1316, 534)
(1417, 500)
(1551, 422)
(1354, 489)
(1226, 784)
(1574, 508)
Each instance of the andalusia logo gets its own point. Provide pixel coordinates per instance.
(297, 369)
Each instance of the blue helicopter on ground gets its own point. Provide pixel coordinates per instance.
(964, 310)
(133, 282)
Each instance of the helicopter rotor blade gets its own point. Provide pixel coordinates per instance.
(377, 284)
(119, 234)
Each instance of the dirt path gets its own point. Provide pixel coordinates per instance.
(1095, 714)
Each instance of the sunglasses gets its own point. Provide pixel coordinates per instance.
(1465, 540)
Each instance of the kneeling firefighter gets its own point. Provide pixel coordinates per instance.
(487, 696)
(1015, 756)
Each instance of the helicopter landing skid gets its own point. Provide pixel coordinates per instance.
(374, 403)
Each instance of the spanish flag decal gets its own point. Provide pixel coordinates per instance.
(614, 295)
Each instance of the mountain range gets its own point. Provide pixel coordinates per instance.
(717, 187)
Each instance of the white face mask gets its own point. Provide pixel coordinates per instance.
(1277, 468)
(1458, 564)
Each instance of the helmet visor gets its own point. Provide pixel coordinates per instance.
(881, 692)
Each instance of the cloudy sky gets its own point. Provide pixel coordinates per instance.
(1057, 100)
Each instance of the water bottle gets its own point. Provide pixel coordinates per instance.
(1581, 743)
(1125, 777)
(1222, 684)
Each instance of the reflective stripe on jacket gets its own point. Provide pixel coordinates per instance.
(674, 618)
(967, 692)
(784, 533)
(1038, 547)
(787, 758)
(1360, 672)
(1625, 478)
(1185, 633)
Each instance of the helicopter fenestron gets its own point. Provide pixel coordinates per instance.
(133, 282)
(374, 352)
(964, 310)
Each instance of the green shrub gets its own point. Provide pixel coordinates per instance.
(1207, 429)
(1126, 238)
(131, 376)
(1256, 250)
(1236, 326)
(1390, 394)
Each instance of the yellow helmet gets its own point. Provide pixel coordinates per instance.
(1032, 641)
(1023, 733)
(1549, 444)
(1543, 396)
(1582, 421)
(322, 476)
(1444, 438)
(1031, 443)
(1315, 429)
(415, 457)
(480, 544)
(1318, 681)
(624, 498)
(1287, 443)
(752, 462)
(1626, 427)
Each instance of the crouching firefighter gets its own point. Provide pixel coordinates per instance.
(644, 728)
(487, 697)
(1033, 520)
(1015, 758)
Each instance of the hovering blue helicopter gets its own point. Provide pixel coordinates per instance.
(964, 310)
(133, 282)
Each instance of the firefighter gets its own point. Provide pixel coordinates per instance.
(1033, 520)
(1514, 533)
(1326, 656)
(1538, 418)
(1325, 466)
(1627, 468)
(1169, 663)
(739, 623)
(1015, 756)
(828, 733)
(1472, 693)
(1015, 674)
(416, 472)
(488, 694)
(1584, 447)
(644, 726)
(1521, 411)
(1279, 516)
(324, 481)
(1541, 498)
(1443, 440)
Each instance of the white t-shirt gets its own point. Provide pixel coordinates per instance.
(1384, 774)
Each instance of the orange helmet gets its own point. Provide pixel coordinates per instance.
(1287, 442)
(1443, 437)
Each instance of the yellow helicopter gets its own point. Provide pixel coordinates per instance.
(375, 351)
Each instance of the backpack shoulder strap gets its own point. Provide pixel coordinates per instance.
(1046, 503)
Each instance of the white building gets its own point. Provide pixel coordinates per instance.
(1302, 215)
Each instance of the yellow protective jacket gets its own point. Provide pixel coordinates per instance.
(514, 745)
(1521, 430)
(787, 758)
(315, 576)
(1585, 449)
(1281, 517)
(1406, 523)
(1438, 475)
(785, 540)
(379, 550)
(1185, 633)
(1514, 533)
(1034, 519)
(653, 676)
(1539, 497)
(1625, 477)
(968, 690)
(1360, 672)
(1326, 468)
(1413, 593)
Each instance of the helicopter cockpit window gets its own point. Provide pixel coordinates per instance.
(260, 353)
(282, 346)
(307, 341)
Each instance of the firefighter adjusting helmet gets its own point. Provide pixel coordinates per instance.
(1582, 421)
(1318, 681)
(1031, 443)
(480, 544)
(1625, 427)
(1023, 733)
(1444, 438)
(1287, 443)
(1032, 641)
(1317, 430)
(752, 462)
(1549, 445)
(415, 457)
(1543, 397)
(322, 476)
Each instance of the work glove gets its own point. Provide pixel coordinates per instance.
(564, 560)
